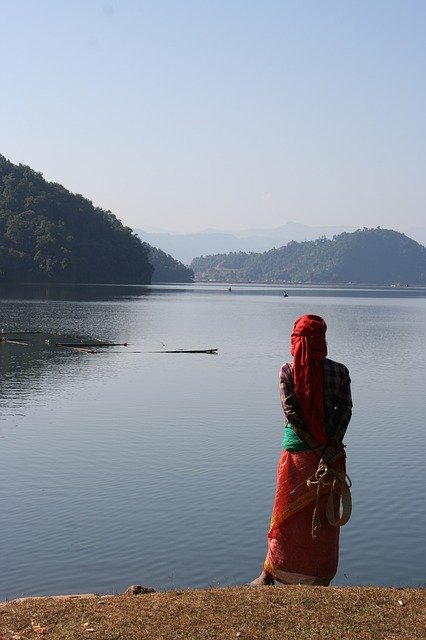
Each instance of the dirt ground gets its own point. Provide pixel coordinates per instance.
(267, 613)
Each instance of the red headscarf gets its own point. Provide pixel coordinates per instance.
(308, 348)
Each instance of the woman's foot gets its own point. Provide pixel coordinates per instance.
(262, 580)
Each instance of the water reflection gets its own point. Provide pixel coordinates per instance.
(325, 291)
(89, 292)
(131, 466)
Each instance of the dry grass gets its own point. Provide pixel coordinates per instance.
(267, 613)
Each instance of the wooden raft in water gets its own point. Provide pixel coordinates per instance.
(86, 345)
(187, 351)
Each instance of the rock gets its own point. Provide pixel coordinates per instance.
(137, 589)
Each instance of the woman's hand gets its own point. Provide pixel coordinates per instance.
(319, 450)
(330, 455)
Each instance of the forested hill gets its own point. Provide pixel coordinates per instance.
(367, 256)
(50, 234)
(167, 268)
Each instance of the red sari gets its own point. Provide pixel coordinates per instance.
(294, 556)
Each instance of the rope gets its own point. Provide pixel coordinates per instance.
(338, 483)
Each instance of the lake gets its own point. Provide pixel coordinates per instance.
(136, 466)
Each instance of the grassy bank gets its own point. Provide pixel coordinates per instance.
(267, 613)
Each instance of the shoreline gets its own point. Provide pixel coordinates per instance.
(290, 612)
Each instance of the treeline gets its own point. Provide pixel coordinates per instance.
(50, 234)
(366, 256)
(167, 268)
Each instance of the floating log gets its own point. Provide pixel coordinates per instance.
(9, 340)
(76, 347)
(84, 345)
(188, 351)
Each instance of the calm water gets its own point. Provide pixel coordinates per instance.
(130, 466)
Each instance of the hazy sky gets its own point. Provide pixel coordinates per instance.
(193, 114)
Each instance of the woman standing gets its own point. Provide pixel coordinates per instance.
(316, 399)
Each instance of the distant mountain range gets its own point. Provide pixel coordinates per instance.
(48, 234)
(366, 256)
(186, 247)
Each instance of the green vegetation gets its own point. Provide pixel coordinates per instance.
(367, 256)
(48, 234)
(167, 269)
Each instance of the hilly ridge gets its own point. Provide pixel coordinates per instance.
(48, 234)
(366, 256)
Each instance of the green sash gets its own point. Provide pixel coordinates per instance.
(292, 442)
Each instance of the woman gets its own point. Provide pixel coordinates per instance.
(316, 398)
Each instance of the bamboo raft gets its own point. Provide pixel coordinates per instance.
(89, 345)
(211, 351)
(11, 341)
(86, 346)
